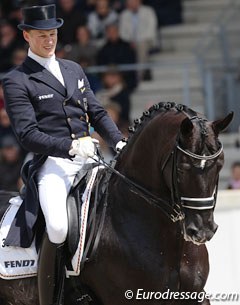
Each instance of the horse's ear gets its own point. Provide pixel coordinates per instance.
(220, 125)
(186, 127)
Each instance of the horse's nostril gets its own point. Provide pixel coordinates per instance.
(192, 231)
(212, 232)
(200, 235)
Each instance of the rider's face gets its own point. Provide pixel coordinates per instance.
(42, 42)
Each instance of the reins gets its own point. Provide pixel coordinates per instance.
(172, 209)
(174, 213)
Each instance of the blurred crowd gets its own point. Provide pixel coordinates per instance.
(234, 181)
(95, 32)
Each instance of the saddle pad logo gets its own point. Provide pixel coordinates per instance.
(15, 262)
(45, 96)
(20, 263)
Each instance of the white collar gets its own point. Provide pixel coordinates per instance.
(45, 62)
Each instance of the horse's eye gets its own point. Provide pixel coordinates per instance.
(184, 166)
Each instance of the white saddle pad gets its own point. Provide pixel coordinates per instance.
(16, 262)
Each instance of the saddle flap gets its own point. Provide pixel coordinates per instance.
(74, 204)
(82, 212)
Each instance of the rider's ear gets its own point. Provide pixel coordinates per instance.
(186, 127)
(220, 125)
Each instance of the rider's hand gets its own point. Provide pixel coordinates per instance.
(120, 145)
(83, 147)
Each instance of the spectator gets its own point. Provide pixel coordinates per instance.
(114, 111)
(234, 182)
(115, 91)
(93, 78)
(8, 43)
(15, 14)
(100, 18)
(117, 5)
(18, 56)
(84, 47)
(61, 50)
(15, 17)
(117, 51)
(87, 5)
(8, 7)
(72, 19)
(10, 164)
(138, 25)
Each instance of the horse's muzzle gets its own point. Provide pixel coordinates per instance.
(199, 235)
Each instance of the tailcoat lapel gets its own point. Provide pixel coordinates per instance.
(42, 74)
(69, 78)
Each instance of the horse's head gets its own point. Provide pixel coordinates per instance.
(174, 157)
(198, 160)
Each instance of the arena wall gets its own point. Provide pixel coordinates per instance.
(224, 248)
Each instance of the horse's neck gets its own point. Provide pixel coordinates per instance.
(145, 156)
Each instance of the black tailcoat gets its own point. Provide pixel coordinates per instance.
(46, 117)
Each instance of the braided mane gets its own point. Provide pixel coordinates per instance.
(154, 111)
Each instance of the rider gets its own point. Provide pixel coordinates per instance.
(51, 106)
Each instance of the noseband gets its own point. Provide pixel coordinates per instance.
(192, 202)
(200, 203)
(172, 209)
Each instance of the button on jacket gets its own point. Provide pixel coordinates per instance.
(47, 116)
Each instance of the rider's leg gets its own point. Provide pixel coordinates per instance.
(54, 182)
(51, 269)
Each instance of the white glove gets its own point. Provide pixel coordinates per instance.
(83, 147)
(120, 145)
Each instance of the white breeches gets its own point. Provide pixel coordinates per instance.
(55, 179)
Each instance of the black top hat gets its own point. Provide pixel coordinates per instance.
(40, 18)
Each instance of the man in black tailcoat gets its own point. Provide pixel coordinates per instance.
(51, 106)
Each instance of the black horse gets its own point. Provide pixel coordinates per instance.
(159, 215)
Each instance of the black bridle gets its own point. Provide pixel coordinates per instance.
(172, 209)
(201, 203)
(172, 212)
(194, 203)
